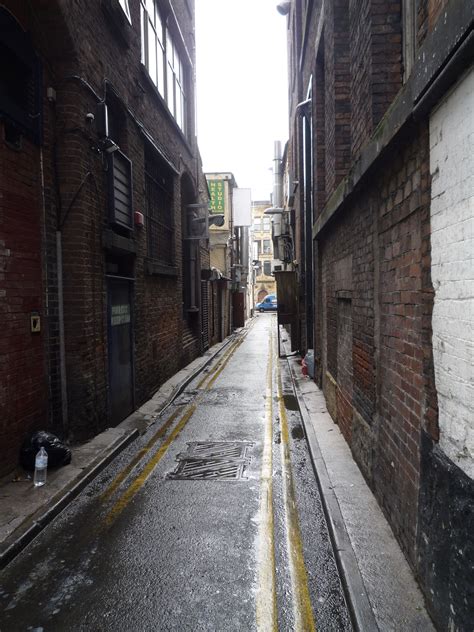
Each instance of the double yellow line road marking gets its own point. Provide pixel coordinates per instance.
(266, 605)
(267, 616)
(183, 415)
(267, 611)
(303, 613)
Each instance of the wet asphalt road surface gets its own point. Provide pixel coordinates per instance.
(211, 521)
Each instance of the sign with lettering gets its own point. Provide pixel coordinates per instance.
(120, 315)
(217, 189)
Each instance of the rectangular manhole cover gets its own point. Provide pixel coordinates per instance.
(212, 460)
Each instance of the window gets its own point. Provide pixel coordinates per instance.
(20, 95)
(257, 249)
(266, 224)
(175, 97)
(267, 247)
(163, 61)
(267, 268)
(159, 209)
(120, 190)
(257, 224)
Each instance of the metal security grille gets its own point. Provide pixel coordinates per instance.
(212, 460)
(159, 210)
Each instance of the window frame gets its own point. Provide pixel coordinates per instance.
(118, 162)
(169, 73)
(257, 224)
(159, 209)
(124, 5)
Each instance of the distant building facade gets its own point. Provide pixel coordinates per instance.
(229, 253)
(380, 193)
(262, 251)
(103, 296)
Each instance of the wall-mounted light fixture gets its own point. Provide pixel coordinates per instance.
(283, 8)
(109, 146)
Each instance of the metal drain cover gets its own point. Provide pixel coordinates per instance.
(210, 460)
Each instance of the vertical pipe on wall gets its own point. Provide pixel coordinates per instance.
(62, 346)
(277, 177)
(44, 265)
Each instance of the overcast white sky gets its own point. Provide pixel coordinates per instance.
(241, 88)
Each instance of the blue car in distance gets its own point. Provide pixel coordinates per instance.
(269, 304)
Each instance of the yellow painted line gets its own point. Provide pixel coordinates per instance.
(266, 615)
(224, 364)
(161, 431)
(139, 481)
(220, 364)
(139, 456)
(303, 612)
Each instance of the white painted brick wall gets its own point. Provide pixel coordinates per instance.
(452, 254)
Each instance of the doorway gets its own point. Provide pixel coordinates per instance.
(119, 325)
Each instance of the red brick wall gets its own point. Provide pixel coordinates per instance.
(344, 339)
(386, 233)
(329, 104)
(320, 134)
(342, 89)
(23, 394)
(75, 199)
(376, 64)
(428, 12)
(386, 55)
(361, 117)
(337, 115)
(406, 366)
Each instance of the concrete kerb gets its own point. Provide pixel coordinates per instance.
(35, 523)
(133, 426)
(362, 615)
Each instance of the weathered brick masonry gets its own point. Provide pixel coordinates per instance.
(56, 190)
(22, 362)
(374, 296)
(376, 250)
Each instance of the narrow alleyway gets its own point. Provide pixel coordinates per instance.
(211, 521)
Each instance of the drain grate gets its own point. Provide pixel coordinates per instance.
(210, 460)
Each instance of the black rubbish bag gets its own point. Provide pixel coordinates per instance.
(58, 452)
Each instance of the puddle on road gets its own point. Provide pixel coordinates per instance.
(297, 432)
(291, 403)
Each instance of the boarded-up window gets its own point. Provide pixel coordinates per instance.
(120, 189)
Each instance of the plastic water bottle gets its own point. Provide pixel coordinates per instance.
(41, 467)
